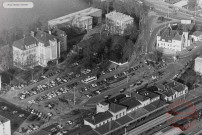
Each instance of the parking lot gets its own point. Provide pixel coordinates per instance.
(15, 114)
(53, 95)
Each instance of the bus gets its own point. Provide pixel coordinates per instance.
(89, 79)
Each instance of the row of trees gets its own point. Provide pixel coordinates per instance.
(8, 36)
(114, 47)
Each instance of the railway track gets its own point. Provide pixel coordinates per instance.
(159, 121)
(155, 117)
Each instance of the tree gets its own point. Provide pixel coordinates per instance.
(192, 3)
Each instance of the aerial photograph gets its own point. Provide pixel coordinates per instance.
(100, 67)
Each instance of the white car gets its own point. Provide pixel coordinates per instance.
(69, 122)
(94, 85)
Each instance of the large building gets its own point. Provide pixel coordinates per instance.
(62, 37)
(173, 39)
(172, 90)
(198, 65)
(5, 126)
(84, 19)
(118, 22)
(120, 106)
(35, 49)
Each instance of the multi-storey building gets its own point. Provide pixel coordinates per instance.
(84, 19)
(172, 90)
(47, 48)
(117, 22)
(62, 37)
(25, 52)
(35, 49)
(5, 126)
(198, 65)
(173, 40)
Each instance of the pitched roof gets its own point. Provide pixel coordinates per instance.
(140, 97)
(169, 34)
(99, 117)
(168, 92)
(177, 37)
(197, 33)
(160, 87)
(116, 107)
(149, 94)
(21, 43)
(44, 37)
(130, 102)
(179, 88)
(117, 98)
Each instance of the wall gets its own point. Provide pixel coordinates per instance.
(118, 114)
(5, 128)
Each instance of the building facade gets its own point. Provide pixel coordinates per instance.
(173, 39)
(36, 49)
(198, 65)
(5, 126)
(172, 90)
(62, 38)
(197, 36)
(117, 23)
(84, 19)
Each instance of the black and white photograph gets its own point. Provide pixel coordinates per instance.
(100, 67)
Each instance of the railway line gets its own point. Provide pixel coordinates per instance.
(146, 123)
(171, 114)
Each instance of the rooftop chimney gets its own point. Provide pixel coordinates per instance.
(49, 32)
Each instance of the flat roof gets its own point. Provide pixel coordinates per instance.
(67, 18)
(117, 16)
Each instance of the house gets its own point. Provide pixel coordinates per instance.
(98, 119)
(84, 19)
(47, 47)
(131, 103)
(25, 52)
(153, 96)
(197, 36)
(142, 99)
(117, 110)
(173, 39)
(117, 23)
(172, 90)
(36, 49)
(198, 65)
(5, 126)
(166, 94)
